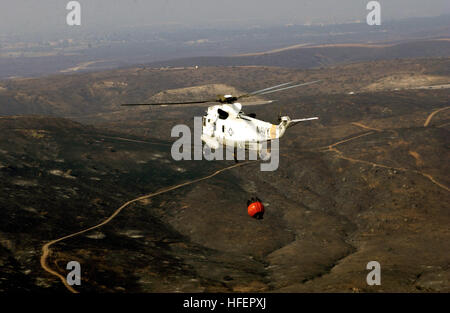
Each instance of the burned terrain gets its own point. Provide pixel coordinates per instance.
(368, 181)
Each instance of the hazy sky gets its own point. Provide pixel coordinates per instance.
(50, 15)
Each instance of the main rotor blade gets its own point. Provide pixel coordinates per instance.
(303, 84)
(257, 92)
(169, 103)
(269, 88)
(257, 102)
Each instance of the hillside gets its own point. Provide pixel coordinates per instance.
(311, 56)
(345, 193)
(367, 181)
(80, 95)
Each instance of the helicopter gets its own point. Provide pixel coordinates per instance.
(225, 124)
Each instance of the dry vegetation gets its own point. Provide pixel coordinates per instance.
(368, 181)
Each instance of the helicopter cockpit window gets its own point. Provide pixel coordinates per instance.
(222, 114)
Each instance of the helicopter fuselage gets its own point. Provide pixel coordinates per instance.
(227, 125)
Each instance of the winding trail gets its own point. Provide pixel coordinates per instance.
(46, 248)
(330, 148)
(340, 154)
(366, 127)
(428, 120)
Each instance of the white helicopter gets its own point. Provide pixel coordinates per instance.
(227, 125)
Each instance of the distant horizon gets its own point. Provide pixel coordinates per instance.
(180, 27)
(47, 17)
